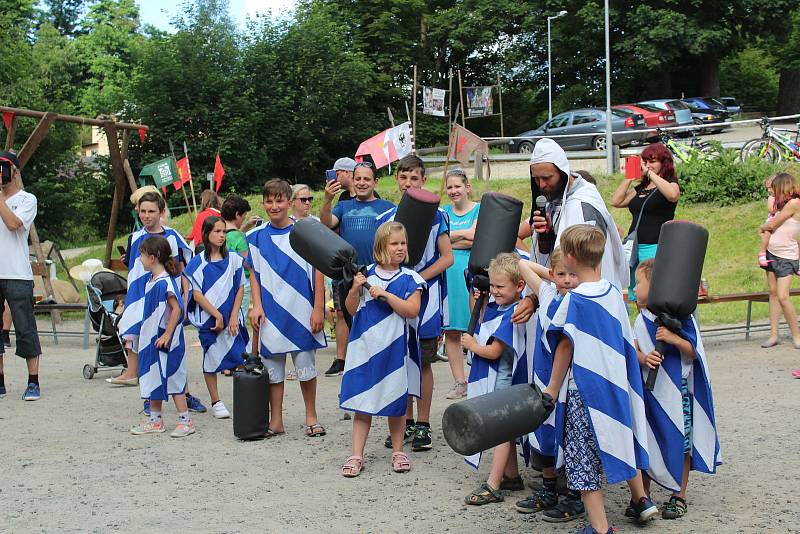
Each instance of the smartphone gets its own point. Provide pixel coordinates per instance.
(330, 175)
(121, 250)
(633, 167)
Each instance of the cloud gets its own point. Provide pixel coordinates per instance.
(279, 8)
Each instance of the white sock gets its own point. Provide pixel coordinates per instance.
(183, 417)
(154, 416)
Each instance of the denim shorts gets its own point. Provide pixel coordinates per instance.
(18, 294)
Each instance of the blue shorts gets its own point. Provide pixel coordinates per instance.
(687, 416)
(582, 462)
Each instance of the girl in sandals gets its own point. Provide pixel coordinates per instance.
(379, 373)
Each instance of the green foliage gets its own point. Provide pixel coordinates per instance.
(751, 75)
(724, 180)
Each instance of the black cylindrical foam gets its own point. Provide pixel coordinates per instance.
(322, 247)
(496, 230)
(417, 212)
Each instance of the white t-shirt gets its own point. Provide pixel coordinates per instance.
(14, 260)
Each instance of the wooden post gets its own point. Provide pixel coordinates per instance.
(118, 172)
(10, 134)
(414, 111)
(191, 183)
(35, 138)
(500, 95)
(461, 99)
(450, 100)
(447, 157)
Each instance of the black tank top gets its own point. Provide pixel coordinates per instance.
(657, 211)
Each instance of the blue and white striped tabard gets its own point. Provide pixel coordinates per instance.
(664, 406)
(137, 276)
(543, 439)
(433, 314)
(382, 367)
(161, 372)
(218, 281)
(606, 373)
(287, 292)
(496, 324)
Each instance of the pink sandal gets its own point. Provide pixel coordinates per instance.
(353, 467)
(400, 462)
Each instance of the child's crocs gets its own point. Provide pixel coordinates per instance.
(796, 373)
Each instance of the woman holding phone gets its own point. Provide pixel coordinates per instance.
(652, 202)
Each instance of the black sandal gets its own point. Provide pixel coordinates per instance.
(484, 494)
(674, 508)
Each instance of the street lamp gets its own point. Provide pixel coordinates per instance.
(609, 137)
(549, 67)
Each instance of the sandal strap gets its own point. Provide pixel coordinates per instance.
(353, 464)
(401, 458)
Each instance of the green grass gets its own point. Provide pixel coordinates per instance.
(730, 265)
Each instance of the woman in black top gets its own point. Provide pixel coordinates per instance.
(658, 192)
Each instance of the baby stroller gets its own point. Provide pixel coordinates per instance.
(101, 291)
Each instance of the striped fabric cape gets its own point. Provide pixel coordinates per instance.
(543, 439)
(287, 292)
(382, 367)
(433, 313)
(138, 277)
(607, 375)
(664, 407)
(161, 372)
(218, 281)
(496, 324)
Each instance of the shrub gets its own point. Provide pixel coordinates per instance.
(724, 180)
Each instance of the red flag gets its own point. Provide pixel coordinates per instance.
(183, 172)
(388, 146)
(219, 172)
(8, 116)
(142, 134)
(465, 143)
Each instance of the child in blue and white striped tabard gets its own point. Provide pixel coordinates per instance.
(382, 364)
(550, 285)
(150, 207)
(162, 362)
(288, 311)
(600, 422)
(217, 280)
(433, 316)
(680, 410)
(493, 351)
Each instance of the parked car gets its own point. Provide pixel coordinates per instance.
(654, 117)
(682, 112)
(733, 107)
(707, 110)
(627, 129)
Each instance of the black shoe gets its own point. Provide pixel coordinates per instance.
(408, 435)
(630, 511)
(567, 510)
(336, 368)
(512, 484)
(422, 439)
(544, 499)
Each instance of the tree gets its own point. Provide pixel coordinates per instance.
(64, 15)
(789, 65)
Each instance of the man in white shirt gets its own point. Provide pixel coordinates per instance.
(17, 211)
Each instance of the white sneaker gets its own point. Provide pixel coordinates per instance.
(219, 411)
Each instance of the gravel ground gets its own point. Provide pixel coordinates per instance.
(69, 464)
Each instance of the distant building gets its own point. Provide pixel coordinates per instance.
(94, 142)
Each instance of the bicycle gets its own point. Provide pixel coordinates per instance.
(696, 149)
(772, 146)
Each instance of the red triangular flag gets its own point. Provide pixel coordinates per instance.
(183, 172)
(142, 134)
(219, 172)
(8, 116)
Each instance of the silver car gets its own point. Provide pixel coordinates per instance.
(682, 112)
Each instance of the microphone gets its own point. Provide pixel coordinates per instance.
(545, 238)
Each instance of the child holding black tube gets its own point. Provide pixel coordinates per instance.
(379, 375)
(493, 349)
(682, 391)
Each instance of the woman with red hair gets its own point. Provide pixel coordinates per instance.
(652, 203)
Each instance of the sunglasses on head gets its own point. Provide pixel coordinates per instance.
(366, 164)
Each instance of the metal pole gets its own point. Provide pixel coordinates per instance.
(609, 137)
(549, 75)
(414, 111)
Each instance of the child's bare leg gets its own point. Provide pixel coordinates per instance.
(342, 333)
(180, 403)
(455, 356)
(132, 370)
(410, 408)
(500, 457)
(426, 398)
(549, 472)
(783, 285)
(512, 467)
(397, 429)
(774, 307)
(276, 407)
(361, 425)
(309, 390)
(595, 509)
(687, 464)
(636, 485)
(645, 484)
(211, 384)
(156, 405)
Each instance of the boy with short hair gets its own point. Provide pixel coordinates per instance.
(495, 347)
(437, 258)
(288, 307)
(600, 422)
(682, 394)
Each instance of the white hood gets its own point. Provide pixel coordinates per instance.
(548, 151)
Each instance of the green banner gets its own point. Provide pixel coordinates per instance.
(164, 172)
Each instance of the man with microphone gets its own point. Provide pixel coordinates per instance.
(17, 211)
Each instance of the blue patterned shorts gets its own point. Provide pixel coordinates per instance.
(582, 462)
(687, 417)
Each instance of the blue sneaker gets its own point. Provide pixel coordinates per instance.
(2, 391)
(32, 393)
(146, 407)
(194, 404)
